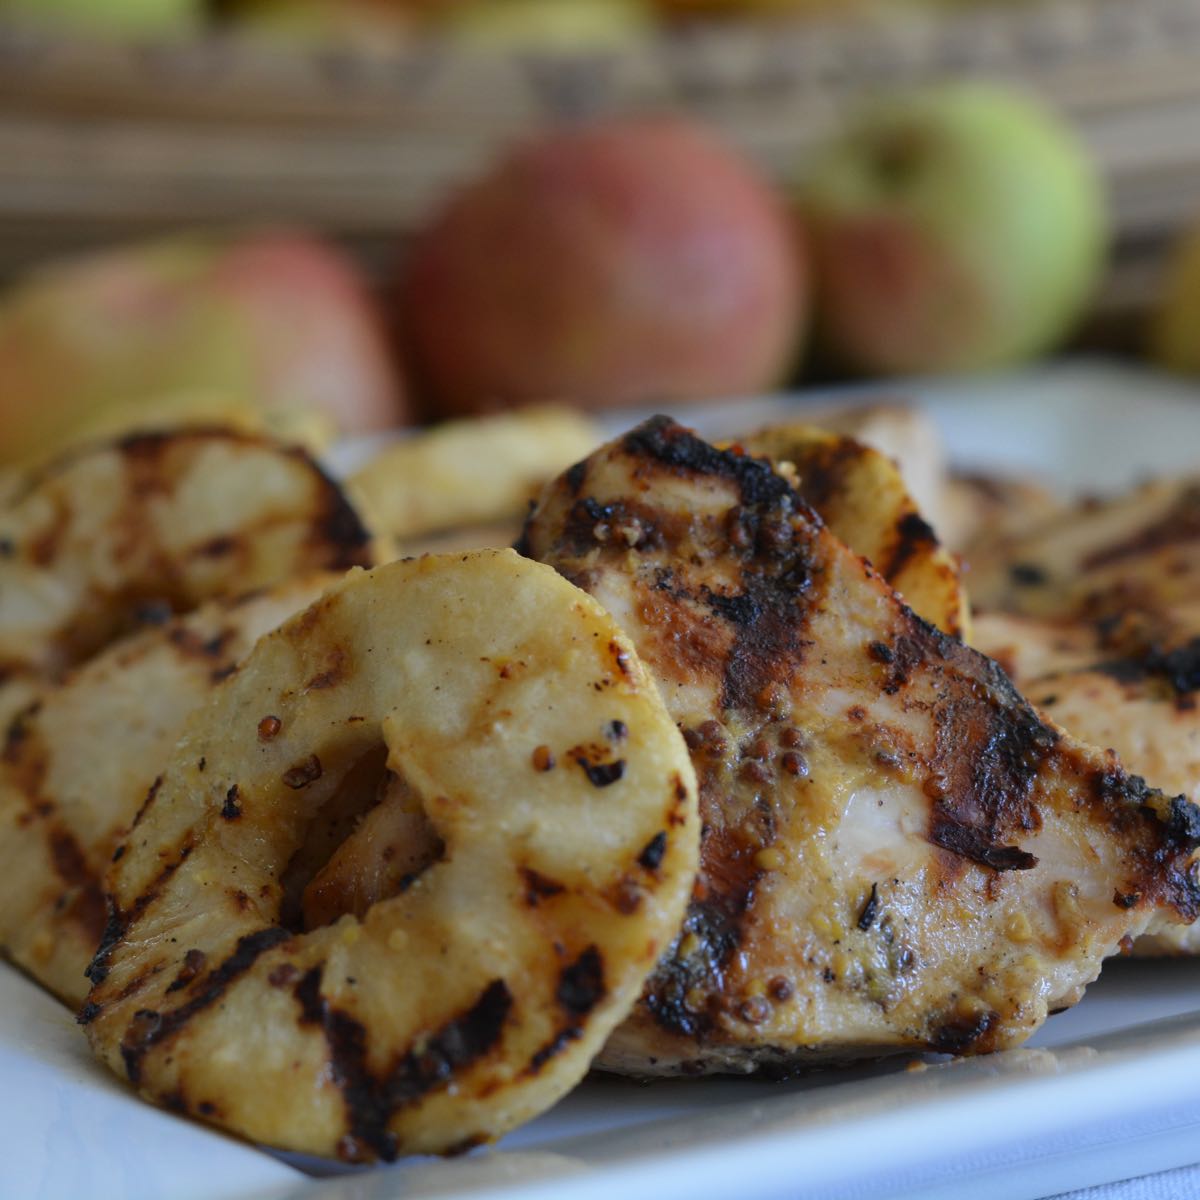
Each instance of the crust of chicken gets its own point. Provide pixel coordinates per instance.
(898, 852)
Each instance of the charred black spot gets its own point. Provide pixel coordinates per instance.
(217, 547)
(114, 931)
(590, 523)
(915, 534)
(990, 750)
(152, 612)
(1178, 668)
(148, 1029)
(575, 475)
(973, 843)
(1027, 574)
(616, 731)
(960, 1034)
(231, 809)
(1183, 823)
(652, 853)
(601, 775)
(118, 854)
(466, 1145)
(870, 910)
(742, 609)
(88, 1013)
(554, 1047)
(149, 443)
(371, 1100)
(20, 730)
(674, 446)
(906, 656)
(1126, 899)
(538, 887)
(581, 985)
(880, 652)
(206, 1108)
(343, 527)
(1164, 833)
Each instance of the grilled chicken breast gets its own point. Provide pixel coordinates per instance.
(1094, 611)
(1098, 559)
(897, 850)
(1130, 686)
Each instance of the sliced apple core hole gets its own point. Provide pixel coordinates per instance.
(356, 794)
(389, 847)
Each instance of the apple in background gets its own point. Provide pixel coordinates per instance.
(1175, 325)
(628, 261)
(955, 227)
(123, 18)
(275, 323)
(365, 25)
(551, 25)
(757, 8)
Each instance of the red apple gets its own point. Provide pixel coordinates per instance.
(631, 261)
(273, 323)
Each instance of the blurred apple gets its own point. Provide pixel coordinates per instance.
(275, 323)
(954, 227)
(112, 17)
(1175, 328)
(360, 24)
(757, 8)
(616, 263)
(548, 24)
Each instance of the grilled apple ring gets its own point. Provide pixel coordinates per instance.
(165, 520)
(562, 843)
(77, 763)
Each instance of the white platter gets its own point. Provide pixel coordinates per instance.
(1108, 1090)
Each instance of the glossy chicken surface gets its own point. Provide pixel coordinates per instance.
(897, 850)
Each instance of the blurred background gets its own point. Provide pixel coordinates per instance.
(352, 214)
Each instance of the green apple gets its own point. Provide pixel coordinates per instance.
(548, 24)
(111, 17)
(1175, 328)
(363, 24)
(954, 227)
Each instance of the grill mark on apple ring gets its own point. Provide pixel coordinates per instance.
(150, 1028)
(370, 1099)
